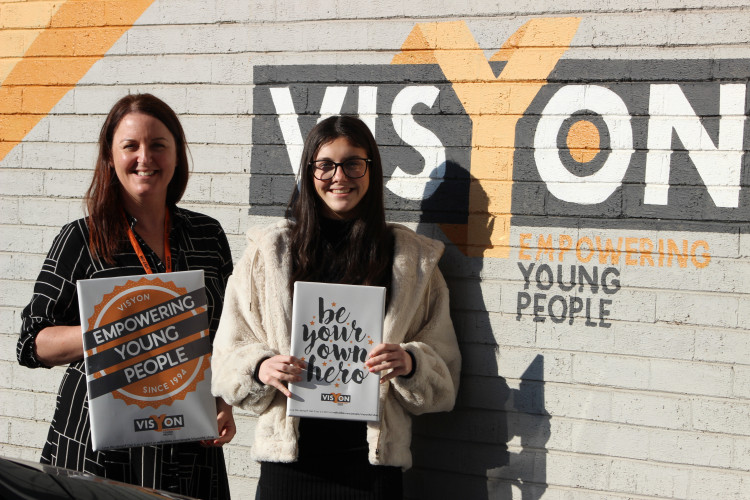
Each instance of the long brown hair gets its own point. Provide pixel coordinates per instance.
(103, 198)
(365, 258)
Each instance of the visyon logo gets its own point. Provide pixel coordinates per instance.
(524, 138)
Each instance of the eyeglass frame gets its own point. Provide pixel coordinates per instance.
(336, 165)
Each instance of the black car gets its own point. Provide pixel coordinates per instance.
(21, 480)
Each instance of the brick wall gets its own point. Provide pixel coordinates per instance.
(603, 325)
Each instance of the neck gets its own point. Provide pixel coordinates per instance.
(150, 216)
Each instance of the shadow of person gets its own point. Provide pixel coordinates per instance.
(494, 440)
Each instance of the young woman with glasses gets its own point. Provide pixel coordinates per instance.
(336, 232)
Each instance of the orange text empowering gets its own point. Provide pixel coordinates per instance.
(632, 251)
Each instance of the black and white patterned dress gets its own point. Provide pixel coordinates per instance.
(197, 242)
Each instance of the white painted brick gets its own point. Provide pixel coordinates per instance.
(8, 346)
(227, 215)
(8, 321)
(36, 380)
(727, 346)
(219, 158)
(654, 340)
(234, 129)
(9, 210)
(21, 239)
(609, 440)
(219, 99)
(16, 404)
(46, 211)
(230, 188)
(573, 337)
(137, 70)
(19, 182)
(725, 275)
(697, 309)
(691, 378)
(195, 39)
(242, 488)
(608, 370)
(199, 128)
(690, 448)
(577, 470)
(240, 463)
(245, 431)
(44, 406)
(706, 483)
(22, 431)
(4, 429)
(179, 13)
(48, 155)
(578, 402)
(19, 266)
(743, 313)
(241, 11)
(231, 69)
(13, 158)
(741, 454)
(640, 478)
(40, 132)
(74, 128)
(486, 328)
(26, 452)
(741, 388)
(744, 250)
(70, 183)
(97, 100)
(5, 374)
(85, 156)
(654, 410)
(198, 189)
(724, 416)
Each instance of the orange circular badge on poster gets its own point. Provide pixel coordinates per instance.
(152, 356)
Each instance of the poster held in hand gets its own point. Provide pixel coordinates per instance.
(334, 329)
(147, 353)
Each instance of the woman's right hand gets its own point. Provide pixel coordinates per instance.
(279, 370)
(59, 345)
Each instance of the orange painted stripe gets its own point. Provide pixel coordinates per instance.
(79, 33)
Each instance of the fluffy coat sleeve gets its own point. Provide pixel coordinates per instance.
(241, 340)
(432, 340)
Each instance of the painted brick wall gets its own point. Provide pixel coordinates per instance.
(587, 169)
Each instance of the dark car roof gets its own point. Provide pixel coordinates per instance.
(21, 480)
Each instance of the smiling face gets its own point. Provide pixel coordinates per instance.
(340, 194)
(144, 156)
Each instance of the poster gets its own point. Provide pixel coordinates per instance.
(334, 328)
(147, 353)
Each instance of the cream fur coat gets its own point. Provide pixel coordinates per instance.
(256, 323)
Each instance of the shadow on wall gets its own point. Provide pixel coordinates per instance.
(494, 441)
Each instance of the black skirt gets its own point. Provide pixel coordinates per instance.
(332, 465)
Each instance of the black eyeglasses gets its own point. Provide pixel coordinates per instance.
(354, 168)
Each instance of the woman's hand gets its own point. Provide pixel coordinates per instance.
(225, 420)
(279, 370)
(389, 357)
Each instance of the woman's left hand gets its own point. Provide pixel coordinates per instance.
(389, 357)
(227, 428)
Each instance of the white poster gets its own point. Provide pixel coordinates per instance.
(148, 355)
(334, 328)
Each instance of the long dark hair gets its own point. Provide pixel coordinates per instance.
(365, 257)
(103, 198)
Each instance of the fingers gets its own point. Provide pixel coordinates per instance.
(389, 357)
(279, 370)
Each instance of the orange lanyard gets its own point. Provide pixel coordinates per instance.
(139, 251)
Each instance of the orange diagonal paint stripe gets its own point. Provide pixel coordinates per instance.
(79, 33)
(494, 104)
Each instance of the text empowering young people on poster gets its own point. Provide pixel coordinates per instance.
(147, 352)
(334, 329)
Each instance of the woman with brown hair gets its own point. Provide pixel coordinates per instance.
(336, 233)
(133, 227)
